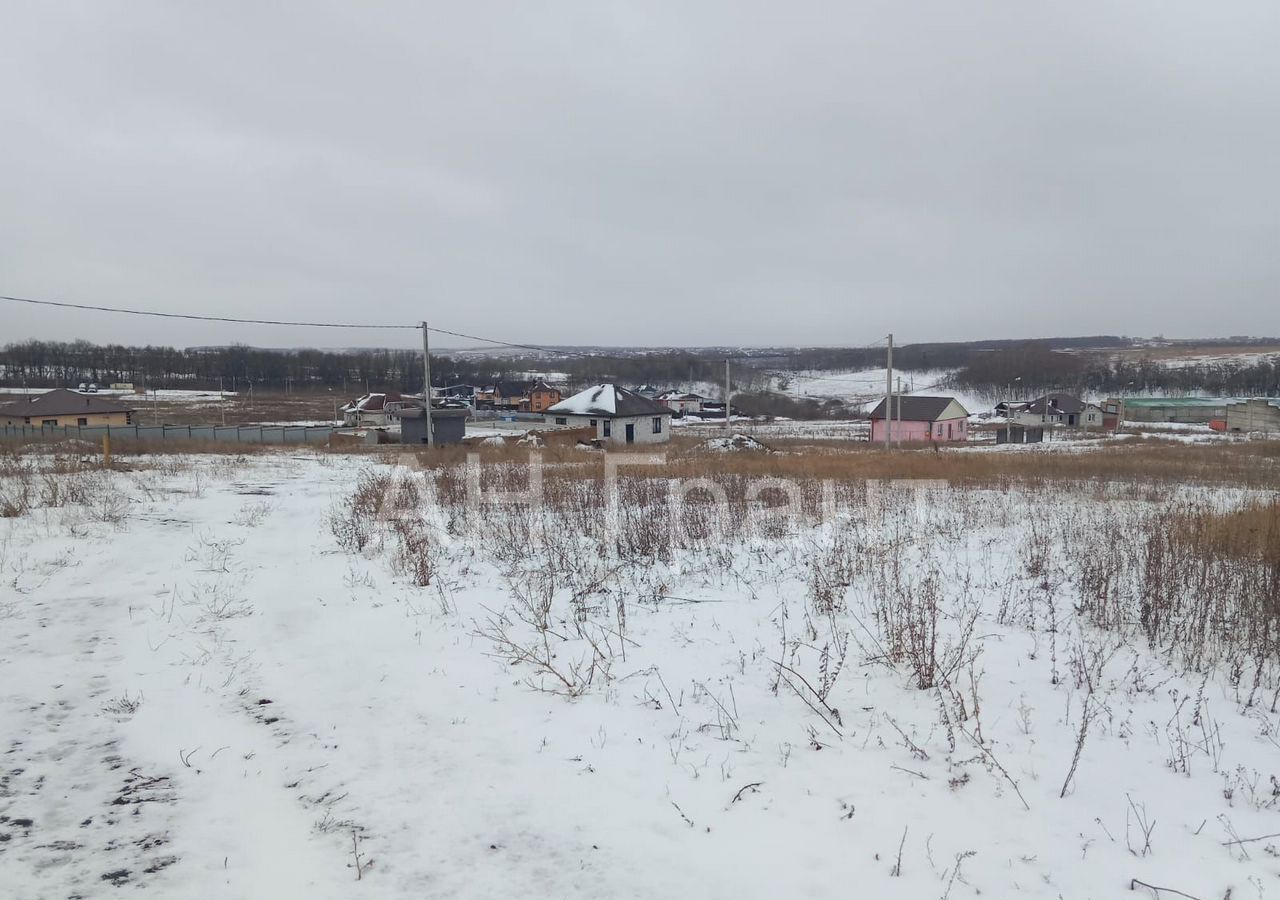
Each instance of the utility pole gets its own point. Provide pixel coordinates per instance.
(726, 393)
(888, 392)
(898, 427)
(426, 387)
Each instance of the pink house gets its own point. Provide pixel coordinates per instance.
(921, 419)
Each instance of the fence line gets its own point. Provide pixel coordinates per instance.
(244, 434)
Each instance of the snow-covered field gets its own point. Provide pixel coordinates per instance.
(162, 394)
(831, 429)
(864, 388)
(294, 675)
(1207, 358)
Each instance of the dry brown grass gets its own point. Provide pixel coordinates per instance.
(1252, 464)
(1250, 534)
(240, 409)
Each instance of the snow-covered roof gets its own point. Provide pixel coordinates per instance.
(373, 402)
(608, 401)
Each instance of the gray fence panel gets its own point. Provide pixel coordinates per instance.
(244, 434)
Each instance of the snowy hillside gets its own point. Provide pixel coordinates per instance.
(864, 388)
(321, 676)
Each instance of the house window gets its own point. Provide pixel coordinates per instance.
(657, 424)
(593, 423)
(44, 422)
(561, 420)
(82, 421)
(608, 428)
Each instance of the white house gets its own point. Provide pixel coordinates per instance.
(680, 402)
(618, 415)
(1056, 409)
(372, 409)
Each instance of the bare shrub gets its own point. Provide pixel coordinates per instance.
(354, 519)
(417, 552)
(252, 514)
(353, 532)
(111, 508)
(15, 497)
(212, 554)
(910, 613)
(220, 599)
(569, 675)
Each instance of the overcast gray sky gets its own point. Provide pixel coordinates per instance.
(643, 173)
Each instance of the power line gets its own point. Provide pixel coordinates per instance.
(473, 337)
(63, 304)
(240, 321)
(166, 315)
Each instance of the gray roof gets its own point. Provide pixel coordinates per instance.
(915, 409)
(1053, 404)
(512, 388)
(62, 402)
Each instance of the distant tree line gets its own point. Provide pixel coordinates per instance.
(1034, 369)
(66, 364)
(209, 368)
(992, 368)
(921, 357)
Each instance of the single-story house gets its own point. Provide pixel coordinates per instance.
(1057, 409)
(64, 407)
(618, 415)
(372, 410)
(448, 426)
(680, 402)
(921, 419)
(1259, 414)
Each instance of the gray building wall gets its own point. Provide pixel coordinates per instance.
(1254, 415)
(449, 429)
(643, 432)
(243, 434)
(1187, 413)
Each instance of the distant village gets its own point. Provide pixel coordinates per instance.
(610, 414)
